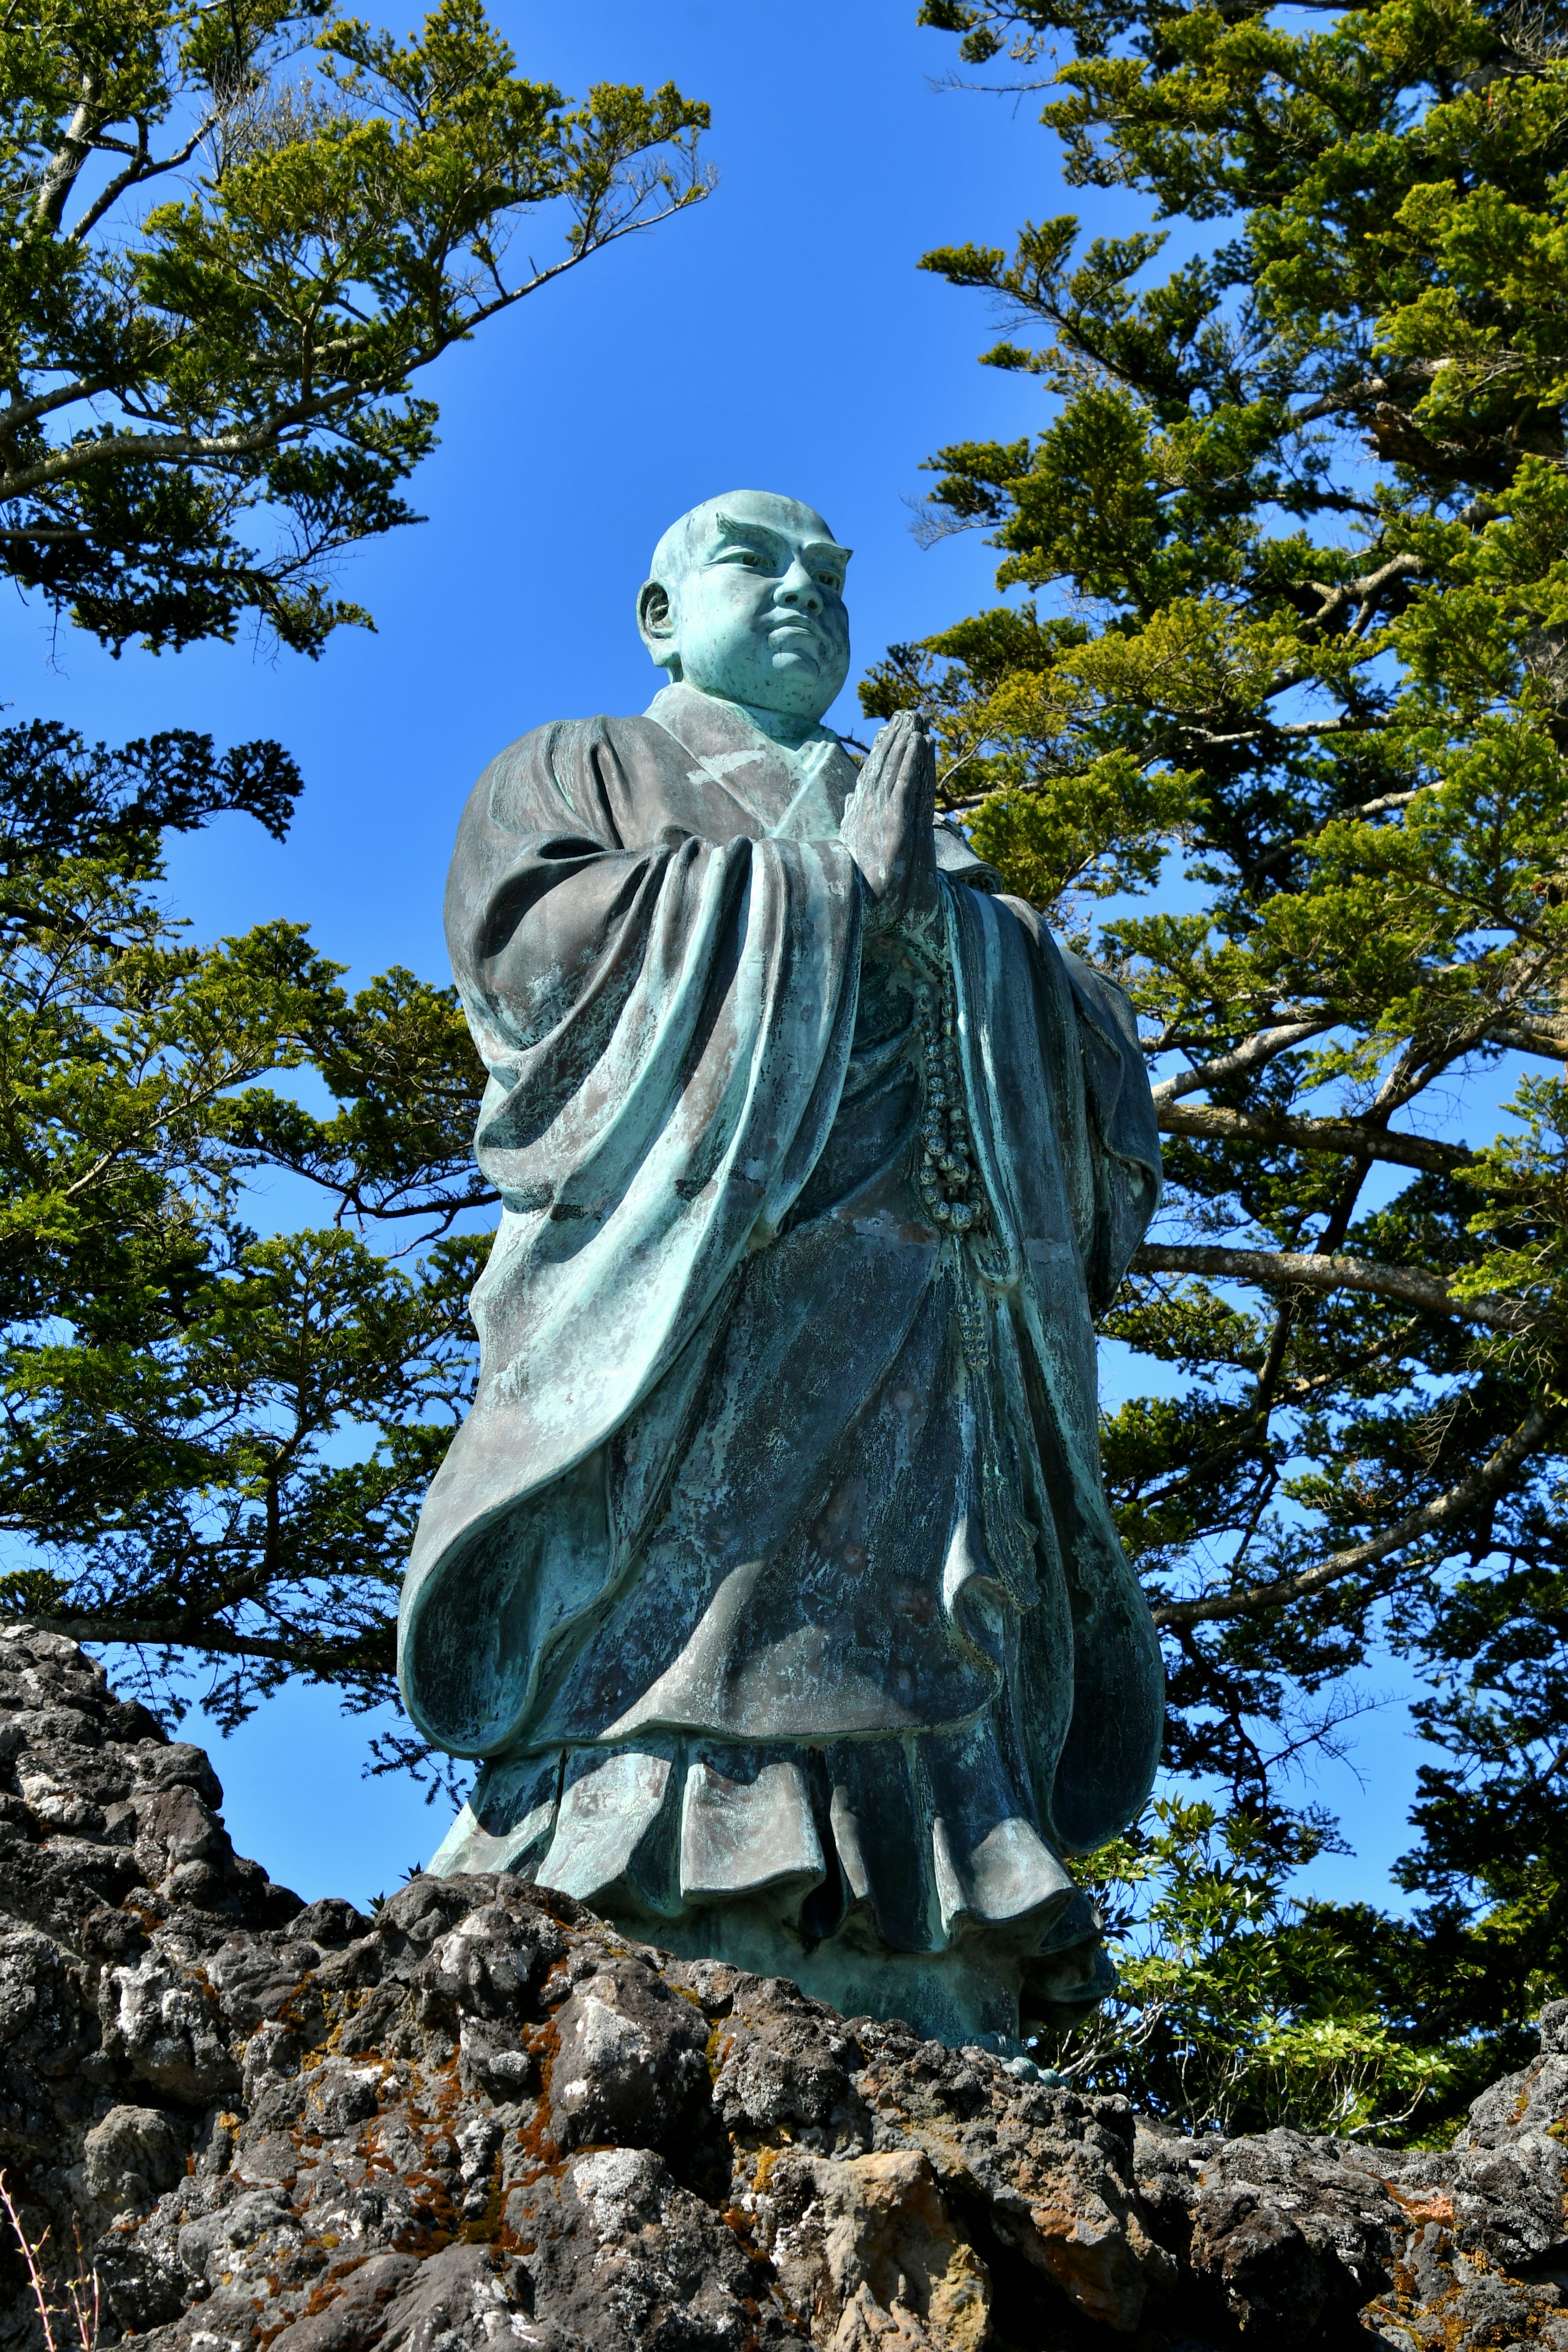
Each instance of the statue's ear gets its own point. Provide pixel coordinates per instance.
(656, 621)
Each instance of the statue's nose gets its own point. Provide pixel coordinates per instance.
(799, 589)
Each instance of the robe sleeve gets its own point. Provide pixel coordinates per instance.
(1126, 1161)
(665, 1019)
(1063, 1126)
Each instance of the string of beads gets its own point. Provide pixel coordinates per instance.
(948, 1181)
(947, 1161)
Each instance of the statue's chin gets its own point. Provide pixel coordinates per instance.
(789, 688)
(800, 683)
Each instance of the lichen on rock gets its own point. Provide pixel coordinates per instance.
(486, 2119)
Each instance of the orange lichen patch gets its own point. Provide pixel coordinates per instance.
(1421, 2204)
(1458, 2328)
(534, 2137)
(1402, 2297)
(435, 2221)
(742, 2226)
(346, 2005)
(351, 2263)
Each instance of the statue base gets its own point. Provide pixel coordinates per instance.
(623, 1832)
(977, 1990)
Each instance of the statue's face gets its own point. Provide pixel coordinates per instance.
(748, 605)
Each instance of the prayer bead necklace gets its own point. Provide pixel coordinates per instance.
(947, 1156)
(953, 1198)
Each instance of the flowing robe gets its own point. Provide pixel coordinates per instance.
(773, 1556)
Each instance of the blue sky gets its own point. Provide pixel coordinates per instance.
(777, 337)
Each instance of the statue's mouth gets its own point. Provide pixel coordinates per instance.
(794, 625)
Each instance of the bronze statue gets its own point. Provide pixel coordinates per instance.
(772, 1574)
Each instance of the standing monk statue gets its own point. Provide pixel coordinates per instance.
(771, 1575)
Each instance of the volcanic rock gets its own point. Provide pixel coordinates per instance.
(483, 2119)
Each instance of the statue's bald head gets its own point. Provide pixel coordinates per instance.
(687, 541)
(746, 600)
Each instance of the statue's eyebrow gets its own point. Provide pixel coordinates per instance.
(729, 527)
(817, 552)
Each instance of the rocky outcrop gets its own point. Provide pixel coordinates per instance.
(484, 2119)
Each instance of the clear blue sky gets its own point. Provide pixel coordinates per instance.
(778, 337)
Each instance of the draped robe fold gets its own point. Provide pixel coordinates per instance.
(774, 1554)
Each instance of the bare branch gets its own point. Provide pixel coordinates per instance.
(18, 414)
(141, 167)
(1207, 1122)
(1338, 724)
(65, 165)
(1249, 1056)
(1547, 1037)
(1299, 1270)
(1432, 1518)
(1367, 589)
(1382, 807)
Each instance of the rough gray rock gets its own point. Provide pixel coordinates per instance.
(484, 2120)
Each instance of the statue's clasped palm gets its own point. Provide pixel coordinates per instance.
(887, 827)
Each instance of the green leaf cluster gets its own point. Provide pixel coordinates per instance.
(214, 1443)
(233, 237)
(1241, 2008)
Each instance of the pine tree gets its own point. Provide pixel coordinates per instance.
(235, 237)
(1293, 670)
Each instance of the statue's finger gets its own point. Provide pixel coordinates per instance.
(878, 758)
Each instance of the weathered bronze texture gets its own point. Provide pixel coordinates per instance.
(772, 1574)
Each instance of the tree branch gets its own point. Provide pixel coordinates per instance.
(1249, 1056)
(1207, 1121)
(65, 165)
(1547, 1037)
(1365, 590)
(1288, 727)
(1382, 807)
(1432, 1517)
(1299, 1270)
(371, 1651)
(140, 168)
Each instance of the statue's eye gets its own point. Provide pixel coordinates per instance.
(831, 580)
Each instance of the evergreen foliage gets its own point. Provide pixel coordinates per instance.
(234, 235)
(174, 1386)
(1298, 513)
(1240, 2008)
